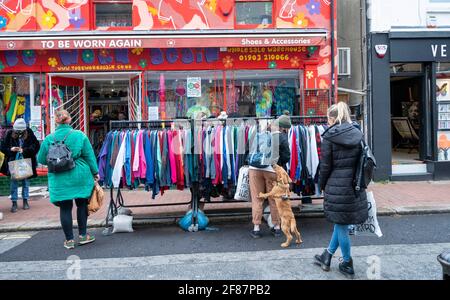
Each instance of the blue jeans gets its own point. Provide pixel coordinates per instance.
(340, 238)
(25, 189)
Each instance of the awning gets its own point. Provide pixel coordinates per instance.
(186, 39)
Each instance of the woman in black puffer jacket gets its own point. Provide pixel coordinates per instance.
(343, 206)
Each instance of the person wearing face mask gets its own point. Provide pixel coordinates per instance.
(20, 140)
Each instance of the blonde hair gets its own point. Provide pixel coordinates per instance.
(62, 117)
(340, 112)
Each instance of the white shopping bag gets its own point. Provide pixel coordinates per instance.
(243, 185)
(370, 226)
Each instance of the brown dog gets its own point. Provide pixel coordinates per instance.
(280, 193)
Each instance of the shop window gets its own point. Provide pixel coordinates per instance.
(238, 93)
(254, 13)
(115, 14)
(443, 102)
(20, 97)
(406, 68)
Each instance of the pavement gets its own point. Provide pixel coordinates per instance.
(407, 250)
(394, 198)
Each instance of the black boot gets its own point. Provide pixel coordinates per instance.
(25, 204)
(323, 260)
(14, 207)
(346, 268)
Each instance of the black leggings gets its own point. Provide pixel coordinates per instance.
(65, 210)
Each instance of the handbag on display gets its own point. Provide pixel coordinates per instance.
(21, 168)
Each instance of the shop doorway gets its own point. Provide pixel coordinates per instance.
(95, 99)
(408, 131)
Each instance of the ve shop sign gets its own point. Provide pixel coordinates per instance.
(419, 50)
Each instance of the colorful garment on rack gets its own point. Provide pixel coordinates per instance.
(304, 142)
(284, 99)
(154, 158)
(264, 104)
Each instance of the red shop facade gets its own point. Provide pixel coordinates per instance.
(103, 78)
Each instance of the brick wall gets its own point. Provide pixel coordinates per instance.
(5, 182)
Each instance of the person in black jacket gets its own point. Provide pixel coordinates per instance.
(20, 140)
(343, 206)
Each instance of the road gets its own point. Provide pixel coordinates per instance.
(407, 250)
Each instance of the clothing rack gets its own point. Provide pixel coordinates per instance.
(119, 202)
(295, 120)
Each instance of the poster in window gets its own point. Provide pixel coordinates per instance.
(443, 89)
(443, 146)
(194, 87)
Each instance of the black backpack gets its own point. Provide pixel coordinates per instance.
(365, 168)
(59, 156)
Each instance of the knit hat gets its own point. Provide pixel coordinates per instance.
(284, 121)
(20, 124)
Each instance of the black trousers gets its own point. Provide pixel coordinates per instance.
(65, 213)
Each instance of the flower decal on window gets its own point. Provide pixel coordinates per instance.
(313, 7)
(137, 51)
(143, 63)
(87, 56)
(2, 66)
(227, 62)
(295, 62)
(48, 20)
(3, 22)
(301, 21)
(28, 53)
(272, 65)
(104, 52)
(52, 62)
(309, 75)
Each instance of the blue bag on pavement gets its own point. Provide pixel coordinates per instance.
(186, 221)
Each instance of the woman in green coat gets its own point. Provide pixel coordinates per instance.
(76, 184)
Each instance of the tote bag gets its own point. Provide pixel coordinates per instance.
(21, 168)
(370, 226)
(243, 185)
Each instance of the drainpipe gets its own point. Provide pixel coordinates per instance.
(333, 85)
(333, 81)
(369, 98)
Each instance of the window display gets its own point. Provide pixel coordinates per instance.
(443, 102)
(15, 98)
(201, 94)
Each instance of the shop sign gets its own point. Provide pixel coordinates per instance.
(439, 50)
(158, 42)
(420, 50)
(194, 87)
(138, 59)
